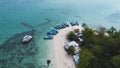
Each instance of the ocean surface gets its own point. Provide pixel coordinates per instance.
(36, 17)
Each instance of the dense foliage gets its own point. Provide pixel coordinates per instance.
(85, 55)
(71, 50)
(99, 50)
(76, 30)
(72, 37)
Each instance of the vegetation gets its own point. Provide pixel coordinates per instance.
(76, 30)
(86, 55)
(72, 37)
(99, 50)
(111, 30)
(88, 37)
(116, 61)
(101, 30)
(71, 50)
(104, 51)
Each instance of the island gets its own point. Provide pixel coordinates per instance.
(80, 46)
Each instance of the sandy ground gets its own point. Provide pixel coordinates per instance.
(60, 58)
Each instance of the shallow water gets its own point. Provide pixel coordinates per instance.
(18, 18)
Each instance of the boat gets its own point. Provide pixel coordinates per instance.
(48, 37)
(27, 38)
(63, 25)
(58, 26)
(77, 23)
(52, 32)
(73, 23)
(66, 24)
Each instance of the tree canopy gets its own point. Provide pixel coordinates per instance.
(98, 50)
(72, 37)
(71, 50)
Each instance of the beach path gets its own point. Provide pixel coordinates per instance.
(60, 58)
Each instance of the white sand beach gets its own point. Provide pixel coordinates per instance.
(60, 58)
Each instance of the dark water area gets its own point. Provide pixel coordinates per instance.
(14, 53)
(26, 25)
(42, 24)
(39, 25)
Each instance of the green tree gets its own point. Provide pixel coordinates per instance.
(76, 30)
(105, 50)
(88, 36)
(71, 50)
(85, 56)
(72, 37)
(112, 30)
(116, 61)
(99, 63)
(101, 30)
(96, 50)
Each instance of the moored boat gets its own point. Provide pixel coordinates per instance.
(52, 32)
(73, 23)
(48, 37)
(66, 24)
(27, 38)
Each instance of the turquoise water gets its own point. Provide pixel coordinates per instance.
(36, 17)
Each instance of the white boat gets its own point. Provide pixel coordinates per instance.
(27, 38)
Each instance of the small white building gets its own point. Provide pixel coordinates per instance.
(77, 49)
(72, 43)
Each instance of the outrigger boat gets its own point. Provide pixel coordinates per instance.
(73, 23)
(52, 32)
(48, 37)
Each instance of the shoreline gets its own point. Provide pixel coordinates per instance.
(59, 57)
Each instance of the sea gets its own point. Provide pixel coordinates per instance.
(36, 17)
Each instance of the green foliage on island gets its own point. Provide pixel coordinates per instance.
(101, 51)
(72, 37)
(88, 36)
(76, 30)
(71, 50)
(85, 54)
(98, 50)
(116, 61)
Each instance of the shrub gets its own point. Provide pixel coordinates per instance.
(71, 50)
(76, 30)
(116, 61)
(72, 37)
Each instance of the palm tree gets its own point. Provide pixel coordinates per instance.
(113, 29)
